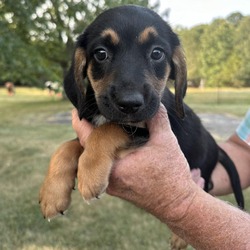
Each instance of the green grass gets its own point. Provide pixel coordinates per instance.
(27, 139)
(230, 101)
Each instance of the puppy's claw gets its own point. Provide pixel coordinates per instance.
(54, 216)
(87, 201)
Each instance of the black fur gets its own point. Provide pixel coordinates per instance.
(131, 97)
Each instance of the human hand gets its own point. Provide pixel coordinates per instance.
(156, 176)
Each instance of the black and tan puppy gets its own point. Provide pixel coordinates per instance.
(117, 80)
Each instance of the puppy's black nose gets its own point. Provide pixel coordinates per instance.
(130, 103)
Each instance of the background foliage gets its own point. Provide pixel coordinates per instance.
(37, 39)
(218, 54)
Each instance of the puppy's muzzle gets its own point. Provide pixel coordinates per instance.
(129, 102)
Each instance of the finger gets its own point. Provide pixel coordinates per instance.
(82, 127)
(196, 176)
(74, 117)
(159, 125)
(159, 122)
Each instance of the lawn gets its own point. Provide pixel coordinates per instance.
(28, 138)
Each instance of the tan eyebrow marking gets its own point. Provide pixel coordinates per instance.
(146, 33)
(112, 34)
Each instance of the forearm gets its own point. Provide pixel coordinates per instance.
(240, 154)
(209, 223)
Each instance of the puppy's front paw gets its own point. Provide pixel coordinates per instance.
(93, 175)
(94, 165)
(55, 193)
(55, 196)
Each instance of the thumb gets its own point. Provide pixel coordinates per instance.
(82, 127)
(159, 126)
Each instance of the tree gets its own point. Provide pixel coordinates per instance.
(216, 49)
(242, 50)
(235, 18)
(15, 44)
(191, 43)
(37, 37)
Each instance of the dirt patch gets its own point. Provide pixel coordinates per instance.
(60, 118)
(221, 126)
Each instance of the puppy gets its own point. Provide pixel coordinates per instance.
(117, 80)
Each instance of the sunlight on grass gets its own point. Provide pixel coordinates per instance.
(230, 101)
(28, 138)
(27, 94)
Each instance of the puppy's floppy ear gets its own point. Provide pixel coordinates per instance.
(74, 80)
(179, 74)
(80, 63)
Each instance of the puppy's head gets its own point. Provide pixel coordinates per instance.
(127, 54)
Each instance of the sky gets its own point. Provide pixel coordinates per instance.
(189, 13)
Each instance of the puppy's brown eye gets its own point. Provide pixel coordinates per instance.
(101, 55)
(157, 54)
